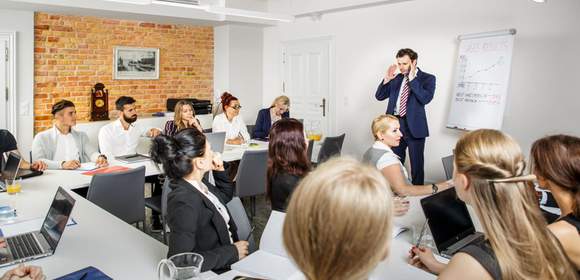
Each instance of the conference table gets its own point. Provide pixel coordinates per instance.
(98, 238)
(122, 251)
(395, 266)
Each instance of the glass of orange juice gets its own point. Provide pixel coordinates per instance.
(13, 186)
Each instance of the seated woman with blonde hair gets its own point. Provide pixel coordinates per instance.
(338, 223)
(184, 118)
(489, 175)
(385, 129)
(268, 116)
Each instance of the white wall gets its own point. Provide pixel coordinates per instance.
(543, 98)
(22, 22)
(238, 66)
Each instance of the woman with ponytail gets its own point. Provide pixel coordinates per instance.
(556, 163)
(196, 210)
(230, 121)
(489, 175)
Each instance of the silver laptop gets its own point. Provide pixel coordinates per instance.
(449, 222)
(217, 141)
(41, 243)
(11, 168)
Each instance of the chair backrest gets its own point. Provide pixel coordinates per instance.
(165, 190)
(309, 150)
(331, 146)
(251, 179)
(448, 166)
(121, 194)
(250, 128)
(240, 217)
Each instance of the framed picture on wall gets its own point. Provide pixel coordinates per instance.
(135, 63)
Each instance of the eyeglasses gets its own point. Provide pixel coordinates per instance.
(237, 107)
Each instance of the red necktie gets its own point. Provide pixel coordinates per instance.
(404, 97)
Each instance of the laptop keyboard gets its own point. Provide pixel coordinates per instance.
(23, 246)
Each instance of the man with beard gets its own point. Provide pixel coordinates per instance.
(121, 137)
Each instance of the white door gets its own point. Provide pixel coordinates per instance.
(307, 83)
(3, 71)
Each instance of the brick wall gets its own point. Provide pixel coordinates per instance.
(73, 53)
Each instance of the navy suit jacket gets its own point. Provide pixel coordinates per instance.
(263, 123)
(422, 91)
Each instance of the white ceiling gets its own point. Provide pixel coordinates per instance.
(116, 10)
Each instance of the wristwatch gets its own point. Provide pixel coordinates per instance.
(435, 188)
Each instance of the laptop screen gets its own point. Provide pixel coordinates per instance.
(57, 217)
(216, 140)
(11, 168)
(449, 219)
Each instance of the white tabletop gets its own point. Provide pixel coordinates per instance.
(235, 152)
(99, 239)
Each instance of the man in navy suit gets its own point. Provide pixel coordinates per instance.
(408, 93)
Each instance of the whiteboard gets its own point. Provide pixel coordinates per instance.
(481, 80)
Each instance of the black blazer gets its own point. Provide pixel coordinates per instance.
(264, 123)
(281, 188)
(197, 226)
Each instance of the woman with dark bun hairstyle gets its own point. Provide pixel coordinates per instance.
(230, 122)
(196, 209)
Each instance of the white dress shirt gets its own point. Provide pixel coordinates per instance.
(215, 201)
(66, 147)
(398, 105)
(114, 140)
(233, 129)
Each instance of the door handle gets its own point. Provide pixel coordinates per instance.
(323, 106)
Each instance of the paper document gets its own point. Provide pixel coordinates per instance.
(87, 166)
(271, 261)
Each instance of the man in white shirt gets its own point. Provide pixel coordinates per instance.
(121, 137)
(62, 147)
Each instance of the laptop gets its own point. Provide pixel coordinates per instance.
(133, 158)
(217, 141)
(11, 168)
(449, 222)
(42, 243)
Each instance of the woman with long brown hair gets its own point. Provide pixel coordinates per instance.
(489, 175)
(287, 161)
(556, 163)
(184, 118)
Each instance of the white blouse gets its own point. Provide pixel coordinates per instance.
(233, 129)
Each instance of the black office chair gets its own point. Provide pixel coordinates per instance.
(309, 150)
(120, 194)
(251, 178)
(331, 146)
(448, 166)
(250, 128)
(240, 217)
